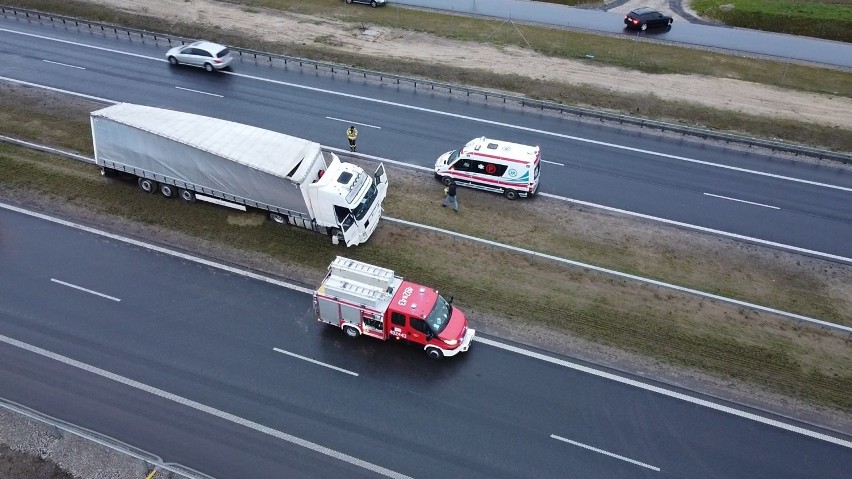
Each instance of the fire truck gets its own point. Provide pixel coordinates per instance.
(364, 299)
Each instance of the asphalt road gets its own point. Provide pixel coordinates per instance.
(734, 39)
(180, 359)
(758, 196)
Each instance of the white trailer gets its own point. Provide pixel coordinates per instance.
(240, 166)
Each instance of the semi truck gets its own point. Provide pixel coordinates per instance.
(194, 157)
(368, 300)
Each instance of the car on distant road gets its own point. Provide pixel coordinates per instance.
(372, 3)
(208, 55)
(644, 17)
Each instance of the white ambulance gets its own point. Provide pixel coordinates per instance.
(492, 165)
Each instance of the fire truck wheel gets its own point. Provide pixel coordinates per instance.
(434, 353)
(351, 331)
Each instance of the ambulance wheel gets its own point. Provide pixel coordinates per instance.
(351, 331)
(186, 195)
(434, 353)
(168, 191)
(146, 185)
(511, 194)
(446, 180)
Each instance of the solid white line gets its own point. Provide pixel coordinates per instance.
(742, 201)
(63, 283)
(159, 249)
(288, 353)
(480, 339)
(553, 162)
(353, 122)
(58, 90)
(466, 117)
(665, 392)
(64, 64)
(205, 409)
(606, 453)
(704, 229)
(198, 91)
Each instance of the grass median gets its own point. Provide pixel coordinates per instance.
(499, 289)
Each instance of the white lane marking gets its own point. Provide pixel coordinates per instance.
(352, 122)
(64, 65)
(553, 162)
(159, 249)
(63, 283)
(198, 91)
(541, 132)
(702, 228)
(68, 42)
(606, 453)
(288, 353)
(620, 274)
(480, 339)
(205, 409)
(665, 392)
(466, 117)
(58, 90)
(742, 201)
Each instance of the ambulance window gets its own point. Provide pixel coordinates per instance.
(463, 165)
(398, 319)
(492, 146)
(419, 325)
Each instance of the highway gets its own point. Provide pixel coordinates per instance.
(758, 196)
(741, 40)
(213, 370)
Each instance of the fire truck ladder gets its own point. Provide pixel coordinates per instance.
(364, 273)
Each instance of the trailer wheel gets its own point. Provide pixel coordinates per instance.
(434, 353)
(277, 217)
(511, 194)
(446, 180)
(351, 331)
(186, 195)
(146, 185)
(167, 190)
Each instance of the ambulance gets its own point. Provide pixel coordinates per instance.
(368, 300)
(499, 166)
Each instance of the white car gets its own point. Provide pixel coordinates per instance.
(210, 56)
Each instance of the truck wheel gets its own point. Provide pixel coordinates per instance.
(434, 353)
(146, 185)
(335, 235)
(278, 218)
(511, 194)
(446, 180)
(167, 190)
(351, 331)
(186, 195)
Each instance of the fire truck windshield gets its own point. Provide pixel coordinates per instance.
(440, 315)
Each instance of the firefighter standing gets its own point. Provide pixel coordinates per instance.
(352, 134)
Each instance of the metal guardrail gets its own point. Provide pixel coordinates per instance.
(335, 68)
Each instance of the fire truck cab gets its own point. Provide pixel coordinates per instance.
(364, 299)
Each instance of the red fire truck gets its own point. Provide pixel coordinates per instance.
(364, 299)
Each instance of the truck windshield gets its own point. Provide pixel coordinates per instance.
(440, 315)
(366, 203)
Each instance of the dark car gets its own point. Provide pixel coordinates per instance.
(644, 17)
(372, 3)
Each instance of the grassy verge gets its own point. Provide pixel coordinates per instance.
(611, 51)
(829, 19)
(726, 342)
